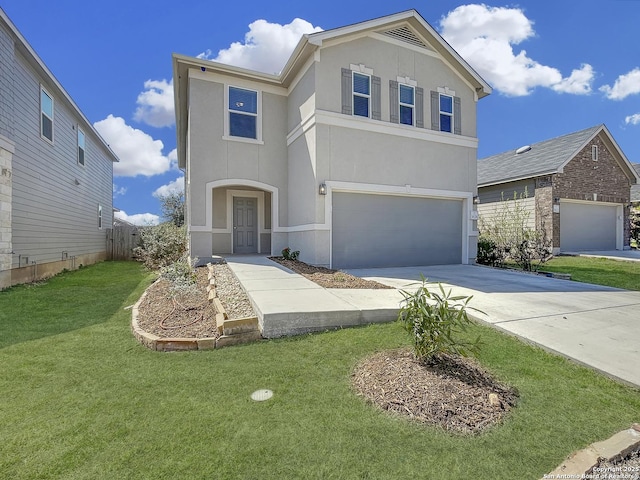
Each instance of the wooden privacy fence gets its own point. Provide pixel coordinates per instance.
(121, 240)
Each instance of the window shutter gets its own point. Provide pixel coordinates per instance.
(435, 111)
(457, 116)
(347, 91)
(394, 116)
(376, 98)
(419, 107)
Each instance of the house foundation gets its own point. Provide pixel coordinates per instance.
(6, 155)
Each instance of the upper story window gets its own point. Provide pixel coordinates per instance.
(594, 153)
(46, 115)
(361, 94)
(243, 113)
(446, 113)
(407, 104)
(81, 147)
(100, 217)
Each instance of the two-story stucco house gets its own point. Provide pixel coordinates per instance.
(56, 172)
(360, 153)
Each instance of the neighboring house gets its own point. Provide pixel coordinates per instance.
(56, 173)
(635, 189)
(361, 153)
(576, 188)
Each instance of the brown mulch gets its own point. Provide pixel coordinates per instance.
(326, 277)
(168, 314)
(453, 393)
(186, 315)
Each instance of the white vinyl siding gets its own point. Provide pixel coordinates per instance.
(51, 213)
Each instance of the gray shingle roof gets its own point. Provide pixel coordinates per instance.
(635, 189)
(544, 157)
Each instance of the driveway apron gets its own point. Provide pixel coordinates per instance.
(591, 324)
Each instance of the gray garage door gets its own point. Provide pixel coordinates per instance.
(587, 226)
(385, 231)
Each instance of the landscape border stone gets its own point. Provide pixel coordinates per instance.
(238, 330)
(581, 464)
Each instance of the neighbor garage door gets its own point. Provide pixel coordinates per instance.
(587, 226)
(384, 231)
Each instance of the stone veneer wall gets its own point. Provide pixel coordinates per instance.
(545, 218)
(585, 179)
(6, 246)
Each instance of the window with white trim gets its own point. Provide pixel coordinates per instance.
(243, 113)
(594, 153)
(46, 114)
(446, 113)
(407, 104)
(100, 216)
(361, 94)
(81, 147)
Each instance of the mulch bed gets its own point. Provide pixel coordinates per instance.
(326, 277)
(169, 314)
(453, 393)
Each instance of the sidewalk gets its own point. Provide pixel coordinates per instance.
(288, 304)
(591, 324)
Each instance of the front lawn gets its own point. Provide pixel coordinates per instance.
(82, 400)
(601, 271)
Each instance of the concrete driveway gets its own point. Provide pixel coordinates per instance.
(594, 325)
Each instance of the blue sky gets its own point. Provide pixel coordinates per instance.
(556, 67)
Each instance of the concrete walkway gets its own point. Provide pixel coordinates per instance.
(626, 255)
(594, 325)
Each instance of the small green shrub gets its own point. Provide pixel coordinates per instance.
(161, 245)
(433, 319)
(287, 254)
(181, 275)
(489, 253)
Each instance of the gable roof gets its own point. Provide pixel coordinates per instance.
(408, 27)
(52, 83)
(546, 158)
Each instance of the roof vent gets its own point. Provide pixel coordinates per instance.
(405, 34)
(524, 149)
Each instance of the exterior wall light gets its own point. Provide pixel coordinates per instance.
(476, 200)
(323, 189)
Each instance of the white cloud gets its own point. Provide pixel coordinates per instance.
(155, 104)
(142, 219)
(625, 85)
(117, 191)
(484, 36)
(267, 46)
(632, 119)
(139, 153)
(579, 82)
(172, 187)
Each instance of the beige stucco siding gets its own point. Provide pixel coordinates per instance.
(365, 157)
(389, 61)
(302, 98)
(216, 158)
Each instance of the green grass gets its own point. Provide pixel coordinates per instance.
(82, 400)
(601, 271)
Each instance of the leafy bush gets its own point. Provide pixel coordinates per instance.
(161, 245)
(506, 235)
(489, 253)
(433, 319)
(181, 275)
(634, 221)
(289, 255)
